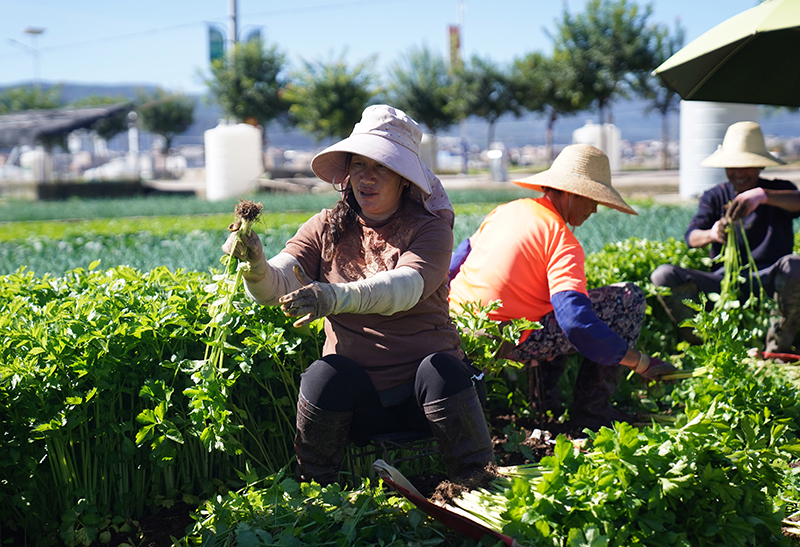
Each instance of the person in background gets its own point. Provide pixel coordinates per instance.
(375, 267)
(767, 209)
(525, 255)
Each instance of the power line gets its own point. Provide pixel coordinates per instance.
(221, 19)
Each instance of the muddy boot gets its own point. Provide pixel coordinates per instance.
(591, 406)
(460, 429)
(784, 321)
(544, 393)
(319, 442)
(678, 312)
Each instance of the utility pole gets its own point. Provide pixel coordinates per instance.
(233, 31)
(463, 124)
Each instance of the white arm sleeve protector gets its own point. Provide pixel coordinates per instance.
(278, 281)
(385, 293)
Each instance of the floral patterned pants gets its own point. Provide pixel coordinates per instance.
(621, 306)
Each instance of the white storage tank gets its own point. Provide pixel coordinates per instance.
(233, 160)
(606, 137)
(703, 126)
(428, 151)
(37, 164)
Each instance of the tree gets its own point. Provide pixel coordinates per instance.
(421, 86)
(165, 114)
(607, 46)
(22, 98)
(106, 128)
(327, 98)
(248, 83)
(662, 99)
(551, 86)
(485, 89)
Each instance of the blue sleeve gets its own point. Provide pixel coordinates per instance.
(591, 337)
(459, 256)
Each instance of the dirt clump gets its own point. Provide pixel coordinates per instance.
(447, 490)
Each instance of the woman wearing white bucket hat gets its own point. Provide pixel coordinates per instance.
(524, 255)
(375, 267)
(767, 209)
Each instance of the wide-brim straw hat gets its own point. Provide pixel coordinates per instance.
(580, 169)
(386, 135)
(743, 146)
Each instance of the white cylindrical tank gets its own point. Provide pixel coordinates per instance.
(703, 126)
(428, 151)
(233, 160)
(36, 163)
(607, 138)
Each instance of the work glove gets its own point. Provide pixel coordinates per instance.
(248, 248)
(312, 301)
(653, 368)
(746, 202)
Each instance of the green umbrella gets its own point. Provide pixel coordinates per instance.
(753, 57)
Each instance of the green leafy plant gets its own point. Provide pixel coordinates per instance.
(486, 342)
(212, 377)
(482, 338)
(280, 511)
(648, 486)
(94, 368)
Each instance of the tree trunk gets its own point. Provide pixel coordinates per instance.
(601, 113)
(548, 136)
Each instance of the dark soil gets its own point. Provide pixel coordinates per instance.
(162, 529)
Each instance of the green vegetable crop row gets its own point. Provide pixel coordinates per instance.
(102, 389)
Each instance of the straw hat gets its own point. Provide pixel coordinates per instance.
(743, 146)
(384, 134)
(583, 170)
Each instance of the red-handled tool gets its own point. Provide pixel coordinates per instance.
(457, 522)
(785, 357)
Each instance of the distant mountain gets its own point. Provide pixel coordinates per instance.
(629, 116)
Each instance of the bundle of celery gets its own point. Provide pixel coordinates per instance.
(647, 486)
(210, 410)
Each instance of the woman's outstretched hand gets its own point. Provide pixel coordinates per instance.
(312, 301)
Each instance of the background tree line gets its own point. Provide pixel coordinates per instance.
(603, 53)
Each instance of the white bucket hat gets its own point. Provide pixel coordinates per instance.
(384, 134)
(743, 146)
(580, 169)
(388, 136)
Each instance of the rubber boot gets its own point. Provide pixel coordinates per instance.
(460, 429)
(545, 395)
(678, 311)
(784, 321)
(319, 442)
(591, 406)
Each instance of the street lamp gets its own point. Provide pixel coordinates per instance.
(34, 32)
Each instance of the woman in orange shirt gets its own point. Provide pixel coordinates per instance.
(525, 255)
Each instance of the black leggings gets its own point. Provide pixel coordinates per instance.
(339, 384)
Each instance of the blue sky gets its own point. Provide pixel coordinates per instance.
(164, 42)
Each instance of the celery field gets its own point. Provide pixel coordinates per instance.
(186, 233)
(126, 389)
